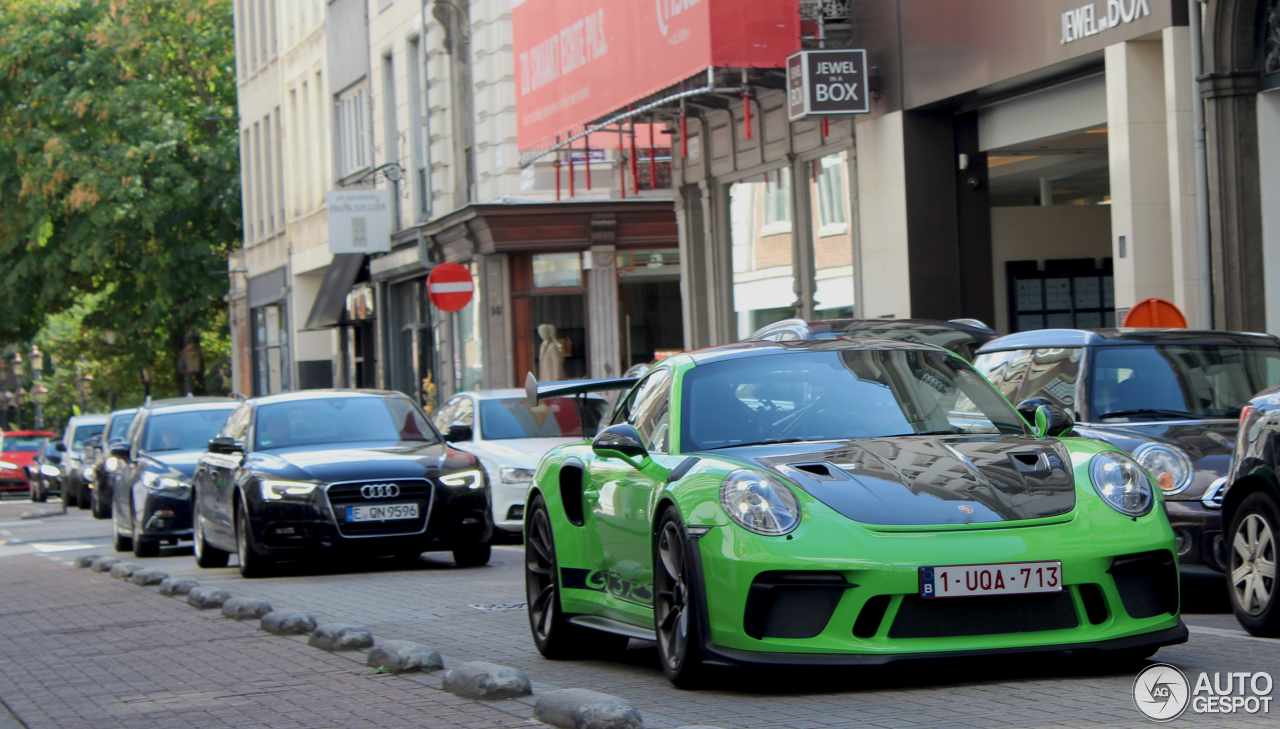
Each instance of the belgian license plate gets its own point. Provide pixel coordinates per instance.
(382, 512)
(1011, 578)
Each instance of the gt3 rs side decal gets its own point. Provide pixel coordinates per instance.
(572, 578)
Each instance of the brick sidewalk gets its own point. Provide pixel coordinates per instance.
(81, 650)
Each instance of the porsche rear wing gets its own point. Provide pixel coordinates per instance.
(534, 391)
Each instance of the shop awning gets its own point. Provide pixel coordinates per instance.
(578, 61)
(331, 301)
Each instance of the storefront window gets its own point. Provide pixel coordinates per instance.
(270, 349)
(556, 270)
(470, 375)
(652, 323)
(832, 236)
(763, 270)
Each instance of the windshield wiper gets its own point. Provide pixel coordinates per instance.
(770, 441)
(1152, 411)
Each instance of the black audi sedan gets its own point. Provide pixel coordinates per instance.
(336, 472)
(1169, 397)
(151, 494)
(102, 465)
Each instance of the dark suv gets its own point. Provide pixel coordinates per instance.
(1169, 397)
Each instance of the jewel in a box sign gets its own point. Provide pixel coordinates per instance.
(359, 221)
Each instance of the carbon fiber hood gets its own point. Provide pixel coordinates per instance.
(929, 480)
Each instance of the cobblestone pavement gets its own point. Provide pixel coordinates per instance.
(475, 614)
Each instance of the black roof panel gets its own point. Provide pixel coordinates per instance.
(1125, 336)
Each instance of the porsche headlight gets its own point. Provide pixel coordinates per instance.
(1122, 483)
(759, 503)
(286, 490)
(165, 485)
(515, 475)
(470, 479)
(1170, 466)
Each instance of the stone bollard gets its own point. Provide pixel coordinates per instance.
(124, 570)
(207, 598)
(86, 560)
(486, 681)
(177, 586)
(104, 564)
(402, 656)
(288, 622)
(584, 709)
(242, 608)
(148, 577)
(336, 637)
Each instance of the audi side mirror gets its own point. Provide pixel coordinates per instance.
(120, 450)
(62, 447)
(93, 442)
(225, 445)
(458, 433)
(620, 441)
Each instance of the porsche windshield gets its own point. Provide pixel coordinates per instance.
(1179, 381)
(339, 420)
(839, 395)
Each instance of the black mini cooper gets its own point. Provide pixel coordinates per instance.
(1169, 397)
(321, 472)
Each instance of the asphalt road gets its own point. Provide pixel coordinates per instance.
(477, 614)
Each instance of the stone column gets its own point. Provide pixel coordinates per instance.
(604, 338)
(1139, 158)
(884, 274)
(1180, 136)
(495, 280)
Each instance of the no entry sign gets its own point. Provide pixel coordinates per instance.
(449, 287)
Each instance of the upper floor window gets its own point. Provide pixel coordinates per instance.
(353, 151)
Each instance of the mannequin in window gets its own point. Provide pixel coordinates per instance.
(551, 356)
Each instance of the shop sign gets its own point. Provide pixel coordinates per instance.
(1085, 21)
(580, 60)
(359, 221)
(827, 82)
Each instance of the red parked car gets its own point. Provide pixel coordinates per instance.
(17, 448)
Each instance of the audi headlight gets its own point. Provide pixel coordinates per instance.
(1122, 483)
(515, 475)
(112, 464)
(87, 474)
(280, 490)
(759, 504)
(1170, 466)
(165, 485)
(50, 471)
(472, 479)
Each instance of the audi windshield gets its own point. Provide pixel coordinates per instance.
(339, 421)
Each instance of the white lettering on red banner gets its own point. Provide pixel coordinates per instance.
(1084, 21)
(563, 52)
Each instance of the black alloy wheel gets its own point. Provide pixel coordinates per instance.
(142, 546)
(82, 496)
(118, 540)
(68, 492)
(252, 564)
(101, 508)
(1251, 565)
(555, 637)
(472, 555)
(674, 607)
(206, 556)
(38, 494)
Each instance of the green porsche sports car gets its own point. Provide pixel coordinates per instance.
(840, 502)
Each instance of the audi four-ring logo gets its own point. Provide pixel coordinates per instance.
(380, 491)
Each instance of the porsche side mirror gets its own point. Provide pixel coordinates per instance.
(1051, 421)
(120, 450)
(620, 441)
(458, 433)
(225, 445)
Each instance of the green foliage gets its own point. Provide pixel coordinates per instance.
(119, 180)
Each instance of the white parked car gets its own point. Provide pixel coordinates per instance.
(509, 438)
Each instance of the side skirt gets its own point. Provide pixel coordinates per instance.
(617, 627)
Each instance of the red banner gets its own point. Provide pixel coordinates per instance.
(579, 60)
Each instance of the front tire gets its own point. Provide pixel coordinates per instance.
(555, 637)
(118, 540)
(143, 547)
(472, 555)
(252, 564)
(37, 493)
(68, 493)
(82, 497)
(207, 557)
(1251, 565)
(675, 617)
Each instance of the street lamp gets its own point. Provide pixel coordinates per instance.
(39, 394)
(144, 376)
(84, 385)
(190, 363)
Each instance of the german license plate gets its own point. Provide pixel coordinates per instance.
(382, 512)
(1011, 578)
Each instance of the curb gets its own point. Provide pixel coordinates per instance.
(504, 688)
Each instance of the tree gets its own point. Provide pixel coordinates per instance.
(119, 171)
